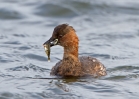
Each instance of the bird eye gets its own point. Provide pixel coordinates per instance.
(60, 35)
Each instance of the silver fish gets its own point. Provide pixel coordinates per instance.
(47, 51)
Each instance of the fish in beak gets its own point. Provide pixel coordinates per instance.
(47, 50)
(47, 46)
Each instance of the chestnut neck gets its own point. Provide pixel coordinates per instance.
(70, 44)
(71, 50)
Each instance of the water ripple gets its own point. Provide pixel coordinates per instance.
(19, 35)
(12, 42)
(124, 68)
(36, 57)
(27, 68)
(10, 14)
(24, 48)
(123, 73)
(53, 10)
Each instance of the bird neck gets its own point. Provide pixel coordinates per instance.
(71, 51)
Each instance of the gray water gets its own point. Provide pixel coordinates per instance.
(108, 30)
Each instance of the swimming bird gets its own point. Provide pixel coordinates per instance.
(71, 64)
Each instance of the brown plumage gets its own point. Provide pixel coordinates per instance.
(71, 65)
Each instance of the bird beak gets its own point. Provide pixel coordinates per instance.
(51, 42)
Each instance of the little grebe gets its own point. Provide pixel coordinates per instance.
(64, 35)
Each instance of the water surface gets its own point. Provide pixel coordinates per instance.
(107, 29)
